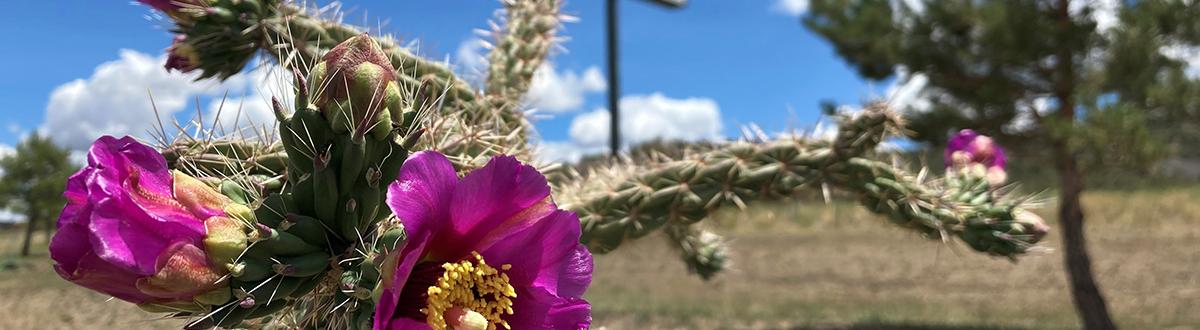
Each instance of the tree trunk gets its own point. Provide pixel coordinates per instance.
(48, 230)
(30, 225)
(1089, 302)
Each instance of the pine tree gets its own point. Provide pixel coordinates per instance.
(33, 182)
(1042, 75)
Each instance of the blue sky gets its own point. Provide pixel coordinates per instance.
(702, 71)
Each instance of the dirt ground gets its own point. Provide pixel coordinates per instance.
(810, 266)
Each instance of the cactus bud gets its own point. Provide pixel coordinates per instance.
(354, 80)
(1034, 224)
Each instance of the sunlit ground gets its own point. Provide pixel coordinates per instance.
(801, 266)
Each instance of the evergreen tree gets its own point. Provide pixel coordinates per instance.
(1041, 75)
(33, 181)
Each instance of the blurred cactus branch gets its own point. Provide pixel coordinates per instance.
(703, 252)
(521, 48)
(619, 204)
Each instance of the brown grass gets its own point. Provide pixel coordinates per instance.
(818, 267)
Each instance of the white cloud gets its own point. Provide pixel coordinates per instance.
(555, 91)
(643, 118)
(5, 151)
(15, 129)
(564, 151)
(471, 58)
(251, 115)
(116, 100)
(790, 7)
(649, 117)
(551, 91)
(8, 216)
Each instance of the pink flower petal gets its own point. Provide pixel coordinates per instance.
(405, 324)
(495, 200)
(118, 240)
(420, 198)
(421, 194)
(576, 273)
(569, 313)
(538, 309)
(540, 254)
(94, 273)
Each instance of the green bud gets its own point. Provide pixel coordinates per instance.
(225, 240)
(392, 239)
(354, 79)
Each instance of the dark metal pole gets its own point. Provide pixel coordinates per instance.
(614, 86)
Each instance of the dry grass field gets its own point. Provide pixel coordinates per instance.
(812, 266)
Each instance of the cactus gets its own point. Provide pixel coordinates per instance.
(303, 238)
(618, 205)
(227, 33)
(520, 49)
(317, 194)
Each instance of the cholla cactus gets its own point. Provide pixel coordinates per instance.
(334, 226)
(635, 200)
(221, 36)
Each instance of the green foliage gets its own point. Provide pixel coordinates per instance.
(34, 177)
(1115, 137)
(989, 62)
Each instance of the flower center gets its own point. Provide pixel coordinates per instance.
(469, 287)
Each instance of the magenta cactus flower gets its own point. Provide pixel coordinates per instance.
(968, 149)
(137, 231)
(181, 55)
(491, 250)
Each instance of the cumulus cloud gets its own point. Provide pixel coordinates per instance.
(643, 118)
(471, 58)
(560, 151)
(649, 117)
(555, 91)
(551, 92)
(790, 7)
(249, 113)
(116, 100)
(5, 151)
(121, 96)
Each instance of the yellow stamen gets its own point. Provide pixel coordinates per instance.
(470, 285)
